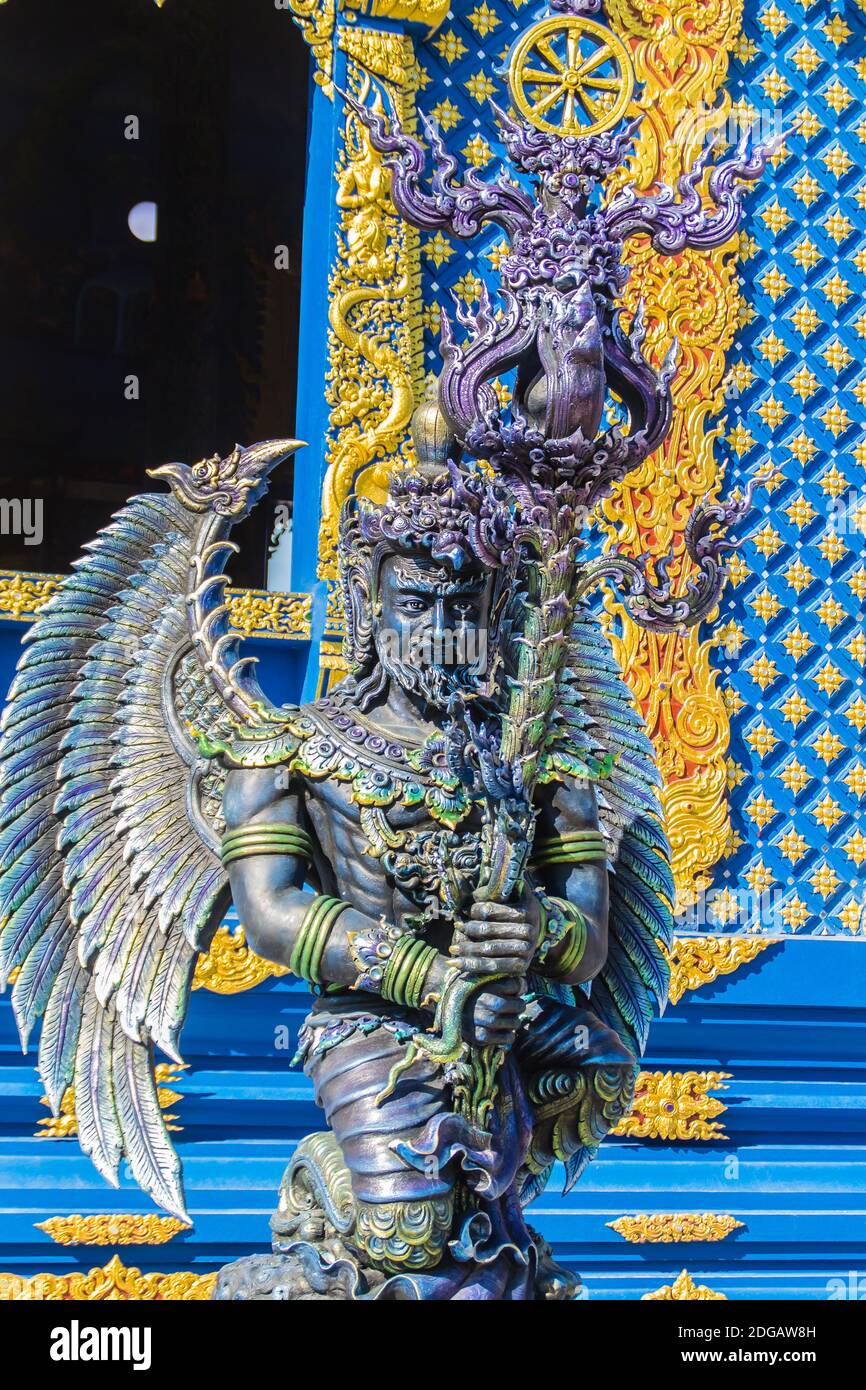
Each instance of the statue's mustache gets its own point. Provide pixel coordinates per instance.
(434, 682)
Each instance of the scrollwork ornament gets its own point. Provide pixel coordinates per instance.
(684, 1289)
(113, 1281)
(112, 1228)
(680, 50)
(669, 1228)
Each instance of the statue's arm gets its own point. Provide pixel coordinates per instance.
(566, 808)
(269, 893)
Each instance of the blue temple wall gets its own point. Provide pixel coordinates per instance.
(778, 1045)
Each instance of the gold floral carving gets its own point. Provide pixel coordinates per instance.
(429, 13)
(670, 1228)
(317, 21)
(684, 1289)
(112, 1228)
(698, 960)
(23, 594)
(230, 967)
(675, 1106)
(269, 613)
(375, 352)
(252, 612)
(680, 52)
(65, 1125)
(113, 1282)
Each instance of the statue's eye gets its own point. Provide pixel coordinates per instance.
(414, 605)
(465, 608)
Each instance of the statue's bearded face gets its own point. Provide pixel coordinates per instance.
(431, 626)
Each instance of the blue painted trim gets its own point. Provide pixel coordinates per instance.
(319, 250)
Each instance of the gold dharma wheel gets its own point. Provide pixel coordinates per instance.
(570, 76)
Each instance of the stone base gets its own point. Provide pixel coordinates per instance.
(327, 1271)
(311, 1261)
(296, 1276)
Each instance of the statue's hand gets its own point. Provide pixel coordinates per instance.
(495, 940)
(491, 1018)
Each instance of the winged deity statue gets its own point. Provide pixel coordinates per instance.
(460, 847)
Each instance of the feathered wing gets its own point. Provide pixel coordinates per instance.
(596, 719)
(109, 831)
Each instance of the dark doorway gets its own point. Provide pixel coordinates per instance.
(119, 353)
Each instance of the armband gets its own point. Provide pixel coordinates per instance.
(573, 941)
(313, 936)
(291, 840)
(391, 963)
(575, 847)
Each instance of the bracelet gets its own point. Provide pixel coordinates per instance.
(291, 840)
(574, 942)
(406, 970)
(575, 847)
(370, 951)
(391, 963)
(313, 936)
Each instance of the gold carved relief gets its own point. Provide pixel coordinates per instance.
(668, 1228)
(112, 1228)
(230, 966)
(680, 52)
(112, 1282)
(684, 1289)
(252, 612)
(675, 1106)
(375, 362)
(698, 960)
(317, 21)
(65, 1125)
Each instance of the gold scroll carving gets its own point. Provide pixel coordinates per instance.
(65, 1125)
(112, 1228)
(230, 966)
(680, 52)
(684, 1289)
(698, 960)
(676, 1106)
(252, 612)
(669, 1228)
(375, 344)
(317, 21)
(111, 1282)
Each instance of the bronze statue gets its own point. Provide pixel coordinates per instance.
(460, 847)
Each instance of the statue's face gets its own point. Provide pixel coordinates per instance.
(431, 625)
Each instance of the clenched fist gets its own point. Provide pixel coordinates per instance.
(492, 1016)
(495, 940)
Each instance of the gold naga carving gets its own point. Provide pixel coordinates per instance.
(698, 960)
(65, 1124)
(680, 53)
(669, 1228)
(112, 1282)
(375, 343)
(112, 1228)
(230, 966)
(253, 612)
(676, 1106)
(684, 1289)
